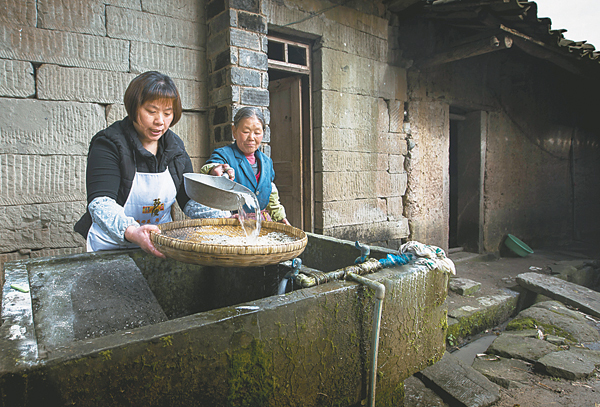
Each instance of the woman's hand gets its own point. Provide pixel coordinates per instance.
(141, 236)
(221, 169)
(285, 221)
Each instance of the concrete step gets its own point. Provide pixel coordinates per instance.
(460, 256)
(568, 293)
(481, 314)
(460, 383)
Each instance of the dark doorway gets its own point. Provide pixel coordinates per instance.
(467, 155)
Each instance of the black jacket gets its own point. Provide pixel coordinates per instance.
(116, 154)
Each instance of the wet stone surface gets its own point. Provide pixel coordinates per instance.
(557, 319)
(513, 346)
(419, 395)
(72, 302)
(506, 372)
(106, 300)
(460, 383)
(464, 286)
(572, 364)
(572, 294)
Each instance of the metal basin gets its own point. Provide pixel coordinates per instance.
(216, 192)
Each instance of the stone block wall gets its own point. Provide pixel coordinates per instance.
(530, 150)
(237, 63)
(64, 68)
(358, 101)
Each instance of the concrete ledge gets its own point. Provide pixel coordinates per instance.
(490, 311)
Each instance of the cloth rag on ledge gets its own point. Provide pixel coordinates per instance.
(429, 256)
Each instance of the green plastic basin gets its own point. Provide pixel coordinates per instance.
(517, 246)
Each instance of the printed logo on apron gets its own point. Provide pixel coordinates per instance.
(149, 202)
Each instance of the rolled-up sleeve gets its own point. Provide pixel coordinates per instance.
(111, 218)
(196, 210)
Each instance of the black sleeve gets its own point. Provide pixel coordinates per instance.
(103, 175)
(182, 197)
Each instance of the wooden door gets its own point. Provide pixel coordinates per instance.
(286, 145)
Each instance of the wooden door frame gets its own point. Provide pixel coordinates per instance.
(304, 71)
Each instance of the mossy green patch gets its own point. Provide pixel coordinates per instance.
(520, 324)
(251, 382)
(484, 319)
(167, 341)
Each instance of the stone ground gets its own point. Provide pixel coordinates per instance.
(494, 275)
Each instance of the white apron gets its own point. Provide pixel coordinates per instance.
(149, 202)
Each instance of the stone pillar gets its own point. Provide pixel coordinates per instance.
(237, 63)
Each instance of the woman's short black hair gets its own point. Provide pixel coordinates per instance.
(151, 86)
(246, 112)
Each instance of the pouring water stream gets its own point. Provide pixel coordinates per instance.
(251, 227)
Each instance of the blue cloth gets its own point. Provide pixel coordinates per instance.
(396, 259)
(244, 175)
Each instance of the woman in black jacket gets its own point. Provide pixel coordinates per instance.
(135, 170)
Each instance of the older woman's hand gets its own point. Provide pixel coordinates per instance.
(221, 169)
(140, 235)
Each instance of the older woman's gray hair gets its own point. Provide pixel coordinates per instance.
(246, 112)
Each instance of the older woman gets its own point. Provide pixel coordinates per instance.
(246, 164)
(135, 170)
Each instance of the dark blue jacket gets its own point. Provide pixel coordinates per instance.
(244, 175)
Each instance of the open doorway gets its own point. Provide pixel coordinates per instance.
(291, 128)
(467, 161)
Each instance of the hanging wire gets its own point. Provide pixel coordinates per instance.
(326, 9)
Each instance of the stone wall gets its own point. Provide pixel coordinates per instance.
(380, 135)
(532, 181)
(64, 67)
(358, 101)
(427, 198)
(238, 63)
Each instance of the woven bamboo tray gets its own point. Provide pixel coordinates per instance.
(173, 244)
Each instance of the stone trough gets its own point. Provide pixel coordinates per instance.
(126, 328)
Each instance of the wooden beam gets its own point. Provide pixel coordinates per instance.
(466, 51)
(455, 116)
(542, 53)
(540, 50)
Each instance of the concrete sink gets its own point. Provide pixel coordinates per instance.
(126, 328)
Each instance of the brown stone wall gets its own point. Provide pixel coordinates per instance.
(64, 67)
(426, 201)
(534, 168)
(358, 101)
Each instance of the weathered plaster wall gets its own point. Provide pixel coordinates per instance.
(527, 186)
(426, 201)
(64, 67)
(527, 183)
(358, 99)
(586, 191)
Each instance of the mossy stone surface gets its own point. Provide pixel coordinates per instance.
(311, 347)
